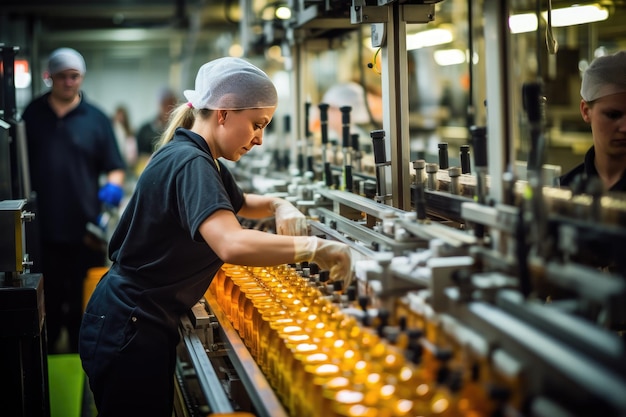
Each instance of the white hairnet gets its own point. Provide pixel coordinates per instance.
(605, 76)
(231, 84)
(65, 58)
(348, 94)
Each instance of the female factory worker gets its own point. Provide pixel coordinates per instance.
(177, 230)
(603, 106)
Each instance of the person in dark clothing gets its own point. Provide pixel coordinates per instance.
(149, 133)
(71, 145)
(178, 228)
(603, 106)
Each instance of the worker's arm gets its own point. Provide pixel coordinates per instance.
(255, 248)
(116, 177)
(237, 245)
(257, 206)
(112, 192)
(289, 220)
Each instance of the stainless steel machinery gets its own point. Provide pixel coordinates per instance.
(498, 292)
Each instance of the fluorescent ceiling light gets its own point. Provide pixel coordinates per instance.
(428, 38)
(522, 23)
(283, 12)
(446, 57)
(129, 35)
(577, 15)
(273, 11)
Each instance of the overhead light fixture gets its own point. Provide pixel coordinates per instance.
(275, 10)
(428, 38)
(445, 57)
(283, 12)
(568, 16)
(522, 23)
(129, 35)
(577, 15)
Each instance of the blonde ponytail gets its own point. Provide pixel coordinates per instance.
(181, 116)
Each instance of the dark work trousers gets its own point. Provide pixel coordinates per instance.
(65, 267)
(130, 365)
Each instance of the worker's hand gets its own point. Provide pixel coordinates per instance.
(111, 194)
(329, 255)
(289, 220)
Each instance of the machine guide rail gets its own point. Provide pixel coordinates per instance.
(205, 347)
(261, 394)
(204, 371)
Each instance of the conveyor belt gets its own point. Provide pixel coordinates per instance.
(262, 396)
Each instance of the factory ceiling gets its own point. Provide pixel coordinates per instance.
(213, 15)
(117, 14)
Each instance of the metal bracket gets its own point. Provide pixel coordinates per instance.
(361, 12)
(203, 322)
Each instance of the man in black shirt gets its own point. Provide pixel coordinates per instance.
(603, 106)
(71, 145)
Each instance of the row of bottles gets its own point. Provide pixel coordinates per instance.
(323, 361)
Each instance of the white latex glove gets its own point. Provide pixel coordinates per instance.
(289, 220)
(330, 255)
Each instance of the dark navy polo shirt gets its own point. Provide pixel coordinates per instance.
(67, 156)
(588, 170)
(162, 265)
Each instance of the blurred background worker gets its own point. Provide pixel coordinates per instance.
(149, 132)
(353, 95)
(603, 106)
(125, 135)
(170, 241)
(72, 151)
(365, 113)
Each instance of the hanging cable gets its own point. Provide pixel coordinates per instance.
(373, 65)
(538, 39)
(551, 43)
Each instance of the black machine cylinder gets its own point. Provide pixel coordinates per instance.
(479, 140)
(465, 159)
(443, 156)
(378, 144)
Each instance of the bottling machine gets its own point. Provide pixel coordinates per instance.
(481, 289)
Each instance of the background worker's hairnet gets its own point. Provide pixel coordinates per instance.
(65, 58)
(349, 94)
(605, 76)
(232, 84)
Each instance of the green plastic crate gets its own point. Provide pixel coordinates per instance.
(66, 380)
